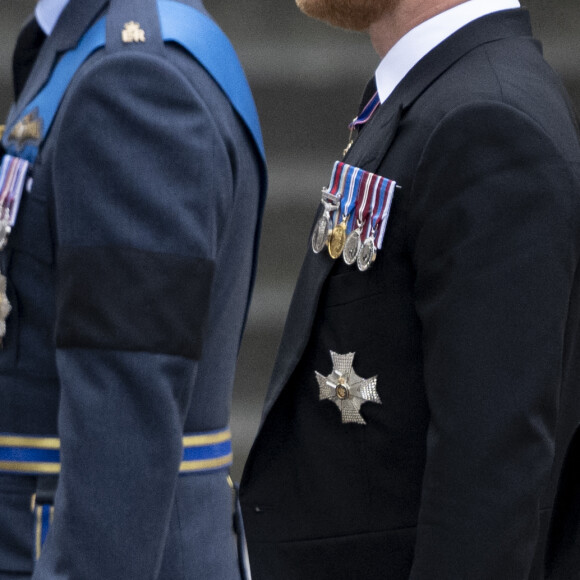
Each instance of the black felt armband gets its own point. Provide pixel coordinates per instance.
(127, 299)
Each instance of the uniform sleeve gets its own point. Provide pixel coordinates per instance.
(496, 248)
(142, 182)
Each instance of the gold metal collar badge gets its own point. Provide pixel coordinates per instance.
(133, 33)
(27, 130)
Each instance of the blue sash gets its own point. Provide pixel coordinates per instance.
(190, 28)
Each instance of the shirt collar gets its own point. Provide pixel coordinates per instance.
(410, 49)
(48, 12)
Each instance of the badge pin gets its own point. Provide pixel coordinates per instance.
(346, 389)
(27, 130)
(133, 32)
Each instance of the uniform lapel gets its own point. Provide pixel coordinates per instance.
(367, 153)
(74, 21)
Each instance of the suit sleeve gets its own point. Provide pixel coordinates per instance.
(496, 248)
(142, 182)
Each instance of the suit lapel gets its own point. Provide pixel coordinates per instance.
(73, 23)
(367, 153)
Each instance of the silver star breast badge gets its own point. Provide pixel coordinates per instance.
(346, 389)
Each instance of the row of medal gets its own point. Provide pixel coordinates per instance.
(13, 174)
(356, 206)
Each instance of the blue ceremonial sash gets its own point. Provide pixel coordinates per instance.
(190, 28)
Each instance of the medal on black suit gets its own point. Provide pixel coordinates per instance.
(356, 209)
(379, 214)
(346, 389)
(338, 235)
(331, 202)
(367, 254)
(353, 242)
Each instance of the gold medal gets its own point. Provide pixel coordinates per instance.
(337, 240)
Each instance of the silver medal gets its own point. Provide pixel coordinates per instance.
(367, 255)
(322, 228)
(352, 247)
(346, 389)
(320, 234)
(5, 228)
(5, 308)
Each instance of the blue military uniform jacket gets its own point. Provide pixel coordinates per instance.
(129, 273)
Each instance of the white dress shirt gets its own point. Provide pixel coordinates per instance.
(410, 49)
(48, 12)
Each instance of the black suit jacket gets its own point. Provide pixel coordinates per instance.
(469, 317)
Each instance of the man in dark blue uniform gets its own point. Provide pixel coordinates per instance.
(423, 419)
(131, 197)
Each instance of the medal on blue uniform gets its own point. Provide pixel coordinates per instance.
(331, 202)
(13, 175)
(5, 308)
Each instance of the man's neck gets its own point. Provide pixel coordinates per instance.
(406, 15)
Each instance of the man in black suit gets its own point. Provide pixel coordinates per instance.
(423, 417)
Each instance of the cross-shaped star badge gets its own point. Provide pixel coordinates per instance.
(346, 389)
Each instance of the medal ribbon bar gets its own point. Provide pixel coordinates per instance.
(376, 209)
(354, 178)
(363, 203)
(13, 173)
(390, 185)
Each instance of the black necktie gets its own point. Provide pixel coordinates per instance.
(27, 48)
